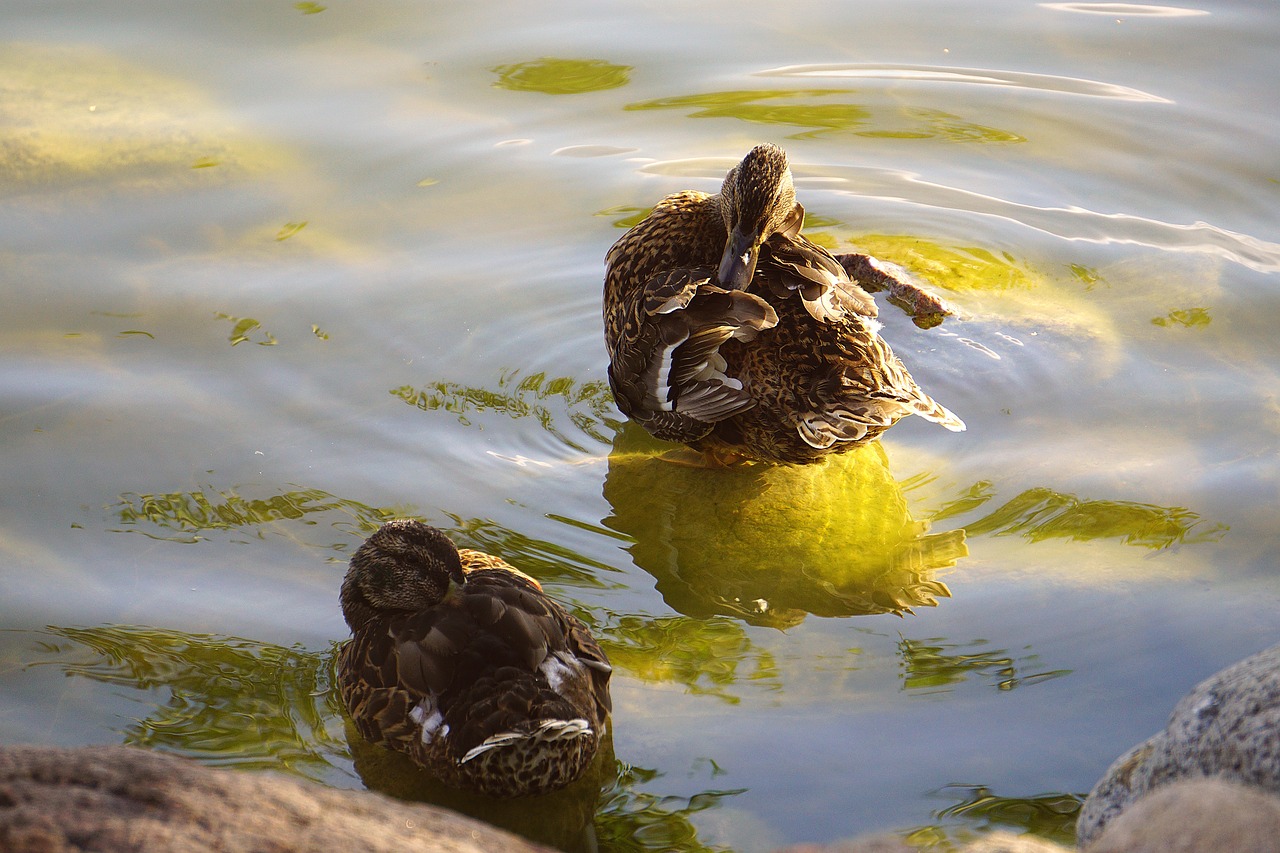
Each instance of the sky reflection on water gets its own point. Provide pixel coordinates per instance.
(273, 276)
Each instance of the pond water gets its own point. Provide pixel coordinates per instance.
(273, 272)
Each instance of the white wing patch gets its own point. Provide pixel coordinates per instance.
(662, 393)
(428, 716)
(546, 732)
(557, 667)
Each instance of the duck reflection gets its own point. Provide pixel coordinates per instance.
(770, 544)
(564, 819)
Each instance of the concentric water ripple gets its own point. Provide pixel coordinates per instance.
(976, 76)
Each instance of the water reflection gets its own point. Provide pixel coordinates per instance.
(1051, 816)
(973, 76)
(810, 108)
(1127, 10)
(934, 665)
(1041, 513)
(631, 820)
(227, 701)
(546, 561)
(220, 700)
(770, 544)
(190, 516)
(627, 216)
(705, 656)
(78, 114)
(957, 268)
(586, 405)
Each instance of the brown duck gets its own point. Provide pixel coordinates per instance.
(729, 331)
(463, 662)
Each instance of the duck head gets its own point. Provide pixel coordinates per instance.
(404, 566)
(757, 197)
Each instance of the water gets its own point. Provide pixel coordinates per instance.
(273, 272)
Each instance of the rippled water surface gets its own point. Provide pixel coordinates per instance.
(273, 272)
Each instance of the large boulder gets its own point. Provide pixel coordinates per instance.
(1205, 815)
(1228, 727)
(112, 799)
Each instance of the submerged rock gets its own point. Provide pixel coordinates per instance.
(112, 799)
(996, 842)
(1228, 726)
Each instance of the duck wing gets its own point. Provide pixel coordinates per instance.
(792, 264)
(865, 389)
(388, 671)
(669, 374)
(527, 660)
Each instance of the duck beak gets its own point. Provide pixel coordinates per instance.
(738, 265)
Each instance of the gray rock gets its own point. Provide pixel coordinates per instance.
(1228, 726)
(1196, 816)
(115, 799)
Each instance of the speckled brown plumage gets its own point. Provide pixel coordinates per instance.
(729, 331)
(463, 662)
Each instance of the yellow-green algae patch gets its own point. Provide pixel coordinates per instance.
(813, 109)
(956, 268)
(69, 114)
(552, 76)
(1187, 317)
(1010, 288)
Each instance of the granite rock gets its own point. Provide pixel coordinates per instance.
(1228, 726)
(1204, 815)
(112, 799)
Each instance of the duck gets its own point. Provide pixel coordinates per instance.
(732, 333)
(463, 662)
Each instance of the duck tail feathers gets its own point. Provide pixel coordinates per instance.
(931, 410)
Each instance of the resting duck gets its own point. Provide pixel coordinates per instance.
(729, 331)
(463, 662)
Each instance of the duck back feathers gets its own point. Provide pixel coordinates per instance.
(495, 687)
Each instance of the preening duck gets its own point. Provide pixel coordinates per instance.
(730, 332)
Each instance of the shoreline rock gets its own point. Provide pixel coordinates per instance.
(1228, 726)
(112, 799)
